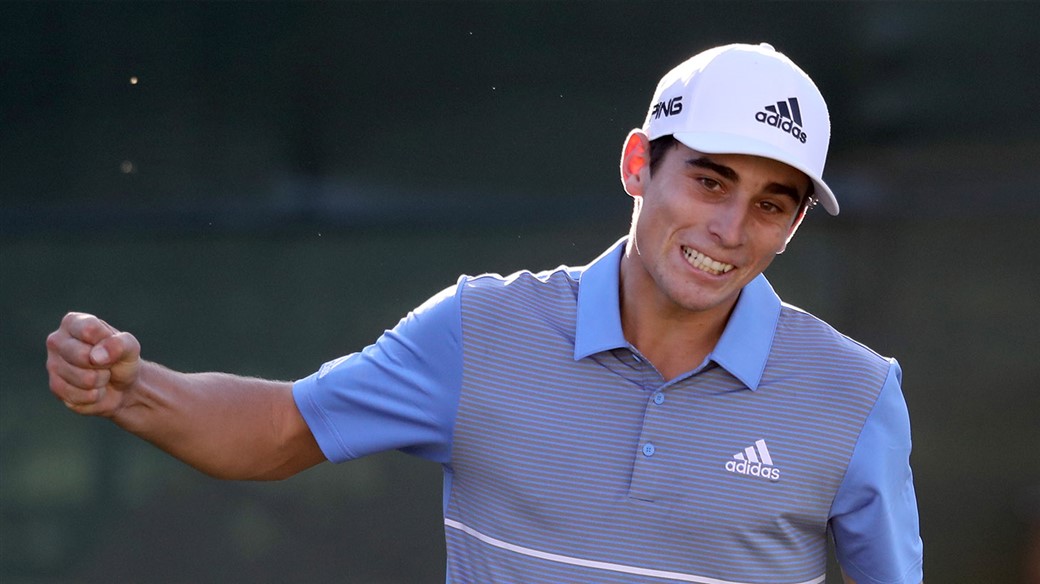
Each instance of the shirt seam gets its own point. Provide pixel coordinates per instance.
(855, 445)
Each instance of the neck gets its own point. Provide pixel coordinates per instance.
(673, 338)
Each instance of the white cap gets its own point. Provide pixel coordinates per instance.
(746, 99)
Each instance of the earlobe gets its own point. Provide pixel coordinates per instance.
(635, 161)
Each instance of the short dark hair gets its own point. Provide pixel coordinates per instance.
(660, 146)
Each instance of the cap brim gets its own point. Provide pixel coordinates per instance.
(719, 143)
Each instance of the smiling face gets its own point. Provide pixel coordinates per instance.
(703, 226)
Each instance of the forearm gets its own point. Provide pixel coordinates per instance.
(225, 426)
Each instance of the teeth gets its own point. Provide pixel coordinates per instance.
(705, 263)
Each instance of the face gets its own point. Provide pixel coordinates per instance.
(704, 225)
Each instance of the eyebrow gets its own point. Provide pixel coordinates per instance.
(728, 173)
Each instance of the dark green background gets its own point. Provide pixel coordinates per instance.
(286, 180)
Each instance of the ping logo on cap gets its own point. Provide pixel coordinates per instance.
(667, 108)
(786, 116)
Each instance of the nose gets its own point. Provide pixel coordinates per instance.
(728, 224)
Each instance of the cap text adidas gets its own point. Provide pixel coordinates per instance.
(786, 116)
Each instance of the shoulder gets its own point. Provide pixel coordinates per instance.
(561, 282)
(805, 339)
(542, 303)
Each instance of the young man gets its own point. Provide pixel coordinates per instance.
(657, 415)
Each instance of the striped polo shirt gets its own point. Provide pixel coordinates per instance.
(568, 458)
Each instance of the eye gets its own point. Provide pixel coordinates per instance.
(709, 183)
(772, 207)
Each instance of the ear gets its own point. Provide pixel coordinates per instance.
(635, 163)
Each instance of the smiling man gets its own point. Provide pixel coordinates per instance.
(658, 415)
(703, 227)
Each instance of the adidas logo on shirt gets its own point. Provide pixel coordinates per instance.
(754, 461)
(786, 116)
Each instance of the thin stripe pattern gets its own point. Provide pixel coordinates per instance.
(596, 564)
(575, 459)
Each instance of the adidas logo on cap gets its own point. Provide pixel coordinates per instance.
(784, 115)
(754, 461)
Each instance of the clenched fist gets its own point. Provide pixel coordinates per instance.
(91, 365)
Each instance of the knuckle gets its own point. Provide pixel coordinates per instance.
(101, 378)
(81, 325)
(53, 370)
(65, 351)
(89, 378)
(71, 318)
(88, 328)
(56, 340)
(128, 343)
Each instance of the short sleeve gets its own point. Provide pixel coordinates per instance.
(874, 516)
(400, 393)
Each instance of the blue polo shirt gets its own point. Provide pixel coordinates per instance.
(567, 457)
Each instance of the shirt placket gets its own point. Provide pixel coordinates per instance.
(652, 451)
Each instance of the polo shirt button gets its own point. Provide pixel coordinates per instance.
(648, 449)
(658, 398)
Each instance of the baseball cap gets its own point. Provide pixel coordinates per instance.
(746, 99)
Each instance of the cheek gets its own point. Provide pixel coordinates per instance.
(776, 247)
(652, 212)
(672, 204)
(770, 241)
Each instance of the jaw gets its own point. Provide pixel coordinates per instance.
(680, 280)
(687, 282)
(666, 296)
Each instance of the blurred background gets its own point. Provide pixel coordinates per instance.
(262, 187)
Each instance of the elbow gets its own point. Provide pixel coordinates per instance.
(225, 474)
(236, 471)
(293, 463)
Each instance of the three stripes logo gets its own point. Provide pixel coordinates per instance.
(754, 461)
(786, 116)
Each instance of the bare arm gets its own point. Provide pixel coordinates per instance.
(226, 426)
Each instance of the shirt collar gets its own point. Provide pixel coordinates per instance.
(599, 305)
(744, 346)
(742, 350)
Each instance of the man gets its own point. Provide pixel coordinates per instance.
(655, 416)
